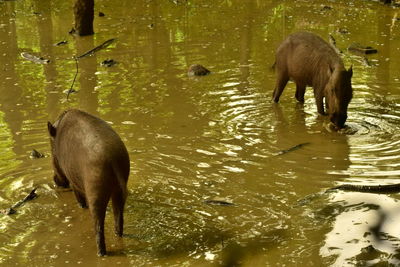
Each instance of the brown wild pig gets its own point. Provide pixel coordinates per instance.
(310, 61)
(89, 156)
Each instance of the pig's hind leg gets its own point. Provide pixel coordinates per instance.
(281, 82)
(118, 201)
(97, 206)
(80, 197)
(300, 91)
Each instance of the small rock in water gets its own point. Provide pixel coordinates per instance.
(324, 8)
(36, 154)
(101, 14)
(197, 70)
(108, 62)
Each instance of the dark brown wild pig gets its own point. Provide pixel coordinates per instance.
(310, 61)
(89, 156)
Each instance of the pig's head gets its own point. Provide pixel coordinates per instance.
(338, 95)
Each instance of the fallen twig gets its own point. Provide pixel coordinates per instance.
(12, 210)
(97, 48)
(71, 90)
(218, 202)
(291, 149)
(389, 188)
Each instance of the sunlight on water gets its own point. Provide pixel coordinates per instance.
(353, 230)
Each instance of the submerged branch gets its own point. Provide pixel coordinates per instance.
(73, 82)
(218, 202)
(97, 48)
(291, 149)
(12, 210)
(390, 188)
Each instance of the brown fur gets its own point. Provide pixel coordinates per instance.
(310, 61)
(89, 156)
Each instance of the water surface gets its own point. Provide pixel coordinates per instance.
(216, 137)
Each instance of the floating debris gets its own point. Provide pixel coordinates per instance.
(366, 62)
(291, 149)
(326, 8)
(197, 70)
(342, 31)
(12, 209)
(101, 14)
(35, 59)
(69, 91)
(36, 154)
(218, 202)
(61, 43)
(359, 49)
(97, 48)
(389, 188)
(108, 62)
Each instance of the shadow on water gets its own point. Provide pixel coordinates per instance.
(214, 239)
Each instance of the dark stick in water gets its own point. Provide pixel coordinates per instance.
(218, 202)
(97, 48)
(12, 210)
(291, 149)
(73, 82)
(389, 188)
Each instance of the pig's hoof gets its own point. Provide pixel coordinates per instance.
(83, 205)
(118, 232)
(101, 253)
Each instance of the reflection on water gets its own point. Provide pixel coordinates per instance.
(193, 139)
(355, 238)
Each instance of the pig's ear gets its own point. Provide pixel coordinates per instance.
(51, 129)
(350, 71)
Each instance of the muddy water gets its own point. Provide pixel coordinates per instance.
(194, 139)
